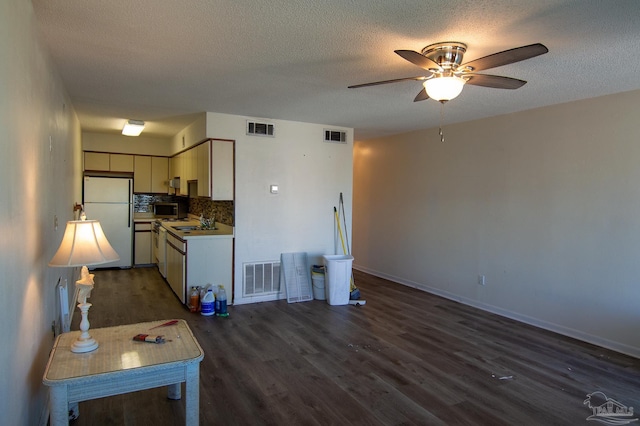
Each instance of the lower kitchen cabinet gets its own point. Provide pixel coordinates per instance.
(142, 243)
(176, 261)
(198, 261)
(209, 261)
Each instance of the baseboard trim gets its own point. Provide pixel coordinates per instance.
(536, 322)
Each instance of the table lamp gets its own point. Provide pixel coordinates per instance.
(84, 243)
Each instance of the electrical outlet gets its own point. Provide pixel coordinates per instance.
(481, 280)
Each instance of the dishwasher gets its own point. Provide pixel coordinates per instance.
(162, 251)
(154, 243)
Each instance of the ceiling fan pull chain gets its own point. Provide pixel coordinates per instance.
(441, 122)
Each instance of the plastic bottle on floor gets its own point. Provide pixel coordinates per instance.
(194, 299)
(207, 303)
(221, 302)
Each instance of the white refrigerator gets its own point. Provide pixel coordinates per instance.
(110, 200)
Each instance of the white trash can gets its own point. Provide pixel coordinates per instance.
(317, 280)
(337, 276)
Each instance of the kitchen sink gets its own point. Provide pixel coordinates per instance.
(186, 228)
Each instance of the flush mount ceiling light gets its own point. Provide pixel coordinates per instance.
(133, 128)
(444, 88)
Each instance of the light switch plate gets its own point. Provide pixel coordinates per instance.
(273, 189)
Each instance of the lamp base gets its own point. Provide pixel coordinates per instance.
(81, 346)
(85, 342)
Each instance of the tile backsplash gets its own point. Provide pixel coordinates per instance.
(223, 210)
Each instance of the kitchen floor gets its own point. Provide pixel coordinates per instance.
(406, 357)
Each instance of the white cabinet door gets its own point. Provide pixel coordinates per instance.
(222, 170)
(159, 175)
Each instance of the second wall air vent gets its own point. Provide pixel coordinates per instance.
(255, 128)
(335, 136)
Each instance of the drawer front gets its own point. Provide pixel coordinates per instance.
(176, 242)
(142, 226)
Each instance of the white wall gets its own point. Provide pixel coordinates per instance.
(142, 145)
(190, 135)
(40, 172)
(544, 203)
(310, 175)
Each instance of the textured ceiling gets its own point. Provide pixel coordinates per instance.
(164, 60)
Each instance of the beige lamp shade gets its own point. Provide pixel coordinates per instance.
(83, 243)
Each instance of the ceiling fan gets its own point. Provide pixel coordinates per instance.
(447, 76)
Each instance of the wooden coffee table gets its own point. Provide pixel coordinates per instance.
(121, 365)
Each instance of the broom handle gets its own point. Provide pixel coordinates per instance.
(344, 218)
(344, 250)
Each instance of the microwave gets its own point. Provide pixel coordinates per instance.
(170, 210)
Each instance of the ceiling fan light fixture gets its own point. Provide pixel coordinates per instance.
(133, 128)
(444, 88)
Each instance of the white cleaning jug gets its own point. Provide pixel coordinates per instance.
(207, 303)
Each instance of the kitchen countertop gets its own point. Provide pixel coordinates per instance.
(221, 231)
(143, 217)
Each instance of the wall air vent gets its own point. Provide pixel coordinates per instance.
(335, 136)
(261, 278)
(255, 128)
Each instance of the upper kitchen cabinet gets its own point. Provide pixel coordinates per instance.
(204, 169)
(106, 162)
(98, 161)
(222, 169)
(142, 174)
(175, 166)
(159, 174)
(204, 159)
(211, 164)
(190, 164)
(121, 162)
(150, 174)
(175, 171)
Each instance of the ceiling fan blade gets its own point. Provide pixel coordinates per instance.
(422, 96)
(495, 81)
(395, 80)
(506, 57)
(418, 59)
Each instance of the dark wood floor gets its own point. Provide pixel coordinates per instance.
(405, 358)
